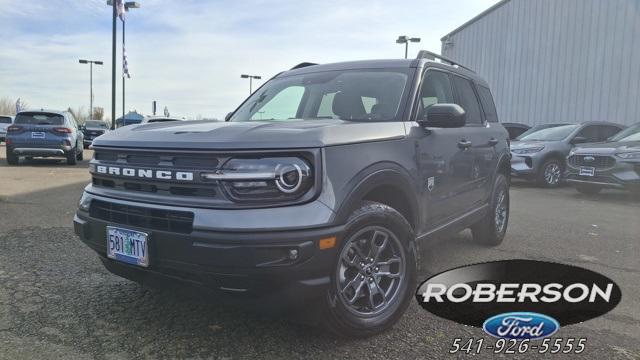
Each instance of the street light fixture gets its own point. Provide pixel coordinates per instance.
(90, 62)
(403, 39)
(250, 77)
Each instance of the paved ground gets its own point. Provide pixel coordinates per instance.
(56, 300)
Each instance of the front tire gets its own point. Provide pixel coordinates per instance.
(374, 273)
(550, 174)
(493, 226)
(588, 189)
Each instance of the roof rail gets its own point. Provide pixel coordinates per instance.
(426, 54)
(303, 64)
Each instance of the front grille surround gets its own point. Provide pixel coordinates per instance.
(600, 162)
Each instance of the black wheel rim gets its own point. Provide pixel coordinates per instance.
(370, 271)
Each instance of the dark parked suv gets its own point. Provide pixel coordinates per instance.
(319, 187)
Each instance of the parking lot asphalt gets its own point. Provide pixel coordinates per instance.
(57, 301)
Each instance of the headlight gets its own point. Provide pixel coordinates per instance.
(530, 150)
(629, 155)
(264, 179)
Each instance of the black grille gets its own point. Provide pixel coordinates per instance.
(599, 162)
(173, 160)
(155, 219)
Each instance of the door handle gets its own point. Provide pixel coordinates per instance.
(464, 144)
(493, 141)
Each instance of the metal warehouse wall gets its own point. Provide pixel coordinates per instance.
(556, 60)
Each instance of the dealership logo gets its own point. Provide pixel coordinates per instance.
(143, 173)
(589, 158)
(519, 298)
(520, 326)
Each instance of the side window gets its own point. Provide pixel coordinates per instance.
(284, 105)
(488, 105)
(608, 131)
(436, 89)
(590, 133)
(325, 109)
(467, 100)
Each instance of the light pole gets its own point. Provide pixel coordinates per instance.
(90, 62)
(403, 39)
(250, 77)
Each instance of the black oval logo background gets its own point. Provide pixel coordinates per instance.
(520, 271)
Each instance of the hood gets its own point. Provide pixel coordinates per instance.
(607, 148)
(527, 144)
(250, 134)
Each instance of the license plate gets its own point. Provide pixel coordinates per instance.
(128, 246)
(37, 135)
(587, 171)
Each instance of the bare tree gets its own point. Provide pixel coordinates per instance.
(98, 113)
(79, 113)
(8, 106)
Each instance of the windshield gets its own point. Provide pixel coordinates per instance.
(555, 133)
(95, 124)
(538, 128)
(39, 118)
(631, 133)
(357, 95)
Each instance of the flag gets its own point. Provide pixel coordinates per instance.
(120, 8)
(125, 64)
(18, 106)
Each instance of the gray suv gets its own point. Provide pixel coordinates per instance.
(540, 153)
(315, 193)
(44, 133)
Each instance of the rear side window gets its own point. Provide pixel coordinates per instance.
(467, 100)
(488, 105)
(39, 118)
(607, 131)
(5, 120)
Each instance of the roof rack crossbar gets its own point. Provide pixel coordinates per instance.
(303, 64)
(426, 54)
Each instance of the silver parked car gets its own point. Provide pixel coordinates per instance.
(5, 121)
(541, 154)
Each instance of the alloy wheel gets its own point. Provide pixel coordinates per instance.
(552, 173)
(501, 211)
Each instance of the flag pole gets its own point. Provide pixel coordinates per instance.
(123, 77)
(113, 66)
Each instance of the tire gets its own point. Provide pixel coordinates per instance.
(12, 159)
(80, 156)
(373, 226)
(72, 156)
(550, 173)
(588, 189)
(493, 226)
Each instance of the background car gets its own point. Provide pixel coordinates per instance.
(515, 129)
(541, 154)
(612, 164)
(5, 121)
(44, 133)
(92, 129)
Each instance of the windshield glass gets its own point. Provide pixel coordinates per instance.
(357, 95)
(631, 133)
(95, 124)
(555, 133)
(537, 128)
(39, 118)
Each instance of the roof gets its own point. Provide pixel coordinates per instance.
(360, 64)
(475, 18)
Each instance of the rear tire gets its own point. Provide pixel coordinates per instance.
(374, 273)
(550, 173)
(80, 156)
(12, 159)
(493, 226)
(588, 189)
(72, 156)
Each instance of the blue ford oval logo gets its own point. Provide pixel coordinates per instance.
(521, 325)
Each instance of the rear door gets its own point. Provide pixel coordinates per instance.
(481, 138)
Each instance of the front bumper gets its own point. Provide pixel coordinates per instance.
(624, 175)
(525, 166)
(245, 265)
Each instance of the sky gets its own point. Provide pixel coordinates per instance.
(188, 55)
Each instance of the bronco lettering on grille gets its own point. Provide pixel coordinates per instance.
(145, 173)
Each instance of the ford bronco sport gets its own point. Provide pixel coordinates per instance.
(320, 186)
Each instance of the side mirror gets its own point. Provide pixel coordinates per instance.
(228, 116)
(444, 116)
(579, 140)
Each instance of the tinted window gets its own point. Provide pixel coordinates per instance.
(608, 131)
(95, 123)
(555, 133)
(39, 118)
(488, 105)
(591, 133)
(5, 120)
(358, 95)
(633, 130)
(467, 100)
(436, 89)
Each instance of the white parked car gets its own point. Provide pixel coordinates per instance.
(5, 121)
